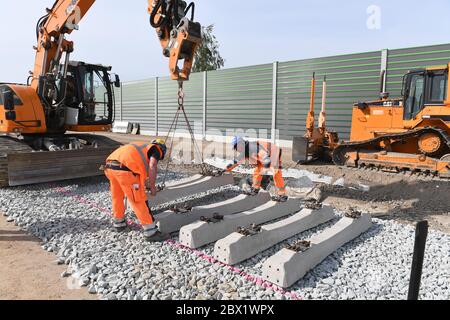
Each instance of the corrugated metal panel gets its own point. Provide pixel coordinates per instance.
(193, 103)
(118, 102)
(139, 103)
(350, 78)
(403, 60)
(240, 98)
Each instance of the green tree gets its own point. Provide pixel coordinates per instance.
(207, 56)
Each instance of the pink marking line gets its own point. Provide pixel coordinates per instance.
(246, 276)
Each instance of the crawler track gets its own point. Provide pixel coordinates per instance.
(21, 165)
(340, 153)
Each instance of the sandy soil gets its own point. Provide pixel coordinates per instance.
(27, 272)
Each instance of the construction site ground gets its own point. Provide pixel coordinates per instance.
(75, 226)
(391, 196)
(27, 272)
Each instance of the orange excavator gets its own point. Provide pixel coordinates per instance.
(63, 95)
(409, 135)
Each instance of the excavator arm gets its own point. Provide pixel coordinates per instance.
(179, 37)
(63, 95)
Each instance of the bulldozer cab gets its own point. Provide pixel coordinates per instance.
(90, 95)
(424, 88)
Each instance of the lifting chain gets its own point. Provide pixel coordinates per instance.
(299, 246)
(173, 129)
(180, 95)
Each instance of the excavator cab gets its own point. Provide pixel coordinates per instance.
(89, 97)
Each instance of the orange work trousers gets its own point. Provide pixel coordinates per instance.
(277, 178)
(126, 184)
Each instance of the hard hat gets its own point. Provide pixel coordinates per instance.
(162, 144)
(236, 140)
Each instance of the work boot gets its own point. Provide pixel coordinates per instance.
(280, 198)
(120, 224)
(158, 236)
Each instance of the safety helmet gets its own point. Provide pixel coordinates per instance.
(162, 144)
(236, 140)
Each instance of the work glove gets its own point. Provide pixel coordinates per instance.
(229, 166)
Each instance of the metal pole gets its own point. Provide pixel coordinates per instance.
(418, 256)
(274, 101)
(121, 102)
(205, 101)
(384, 68)
(156, 107)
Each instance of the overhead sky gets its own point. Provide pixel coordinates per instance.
(250, 32)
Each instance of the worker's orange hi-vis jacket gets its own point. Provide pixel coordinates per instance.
(134, 156)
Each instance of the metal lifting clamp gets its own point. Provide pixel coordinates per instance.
(180, 209)
(215, 219)
(353, 214)
(299, 246)
(313, 205)
(249, 231)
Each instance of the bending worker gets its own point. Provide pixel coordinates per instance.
(266, 157)
(131, 170)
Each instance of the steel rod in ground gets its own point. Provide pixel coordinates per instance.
(418, 256)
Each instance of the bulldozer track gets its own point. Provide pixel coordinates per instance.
(9, 145)
(339, 154)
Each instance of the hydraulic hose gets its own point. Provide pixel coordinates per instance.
(159, 5)
(40, 23)
(189, 7)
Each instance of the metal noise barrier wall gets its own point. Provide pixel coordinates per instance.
(273, 96)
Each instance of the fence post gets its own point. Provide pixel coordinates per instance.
(384, 68)
(418, 257)
(274, 101)
(205, 101)
(121, 101)
(156, 106)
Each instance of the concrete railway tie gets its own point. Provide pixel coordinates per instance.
(170, 221)
(202, 233)
(187, 187)
(240, 246)
(289, 265)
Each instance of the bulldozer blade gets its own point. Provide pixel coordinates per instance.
(300, 150)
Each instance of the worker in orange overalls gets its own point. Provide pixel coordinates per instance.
(267, 157)
(131, 170)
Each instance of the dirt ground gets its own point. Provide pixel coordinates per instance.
(27, 272)
(391, 196)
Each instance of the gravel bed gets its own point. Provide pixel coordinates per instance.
(123, 266)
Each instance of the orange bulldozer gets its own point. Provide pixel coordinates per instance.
(409, 135)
